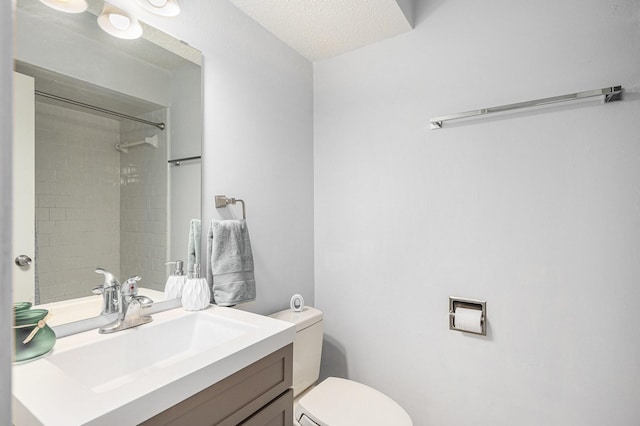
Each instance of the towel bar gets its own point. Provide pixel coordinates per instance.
(178, 161)
(224, 201)
(612, 93)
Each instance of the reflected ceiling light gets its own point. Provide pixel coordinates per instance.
(69, 6)
(119, 23)
(161, 7)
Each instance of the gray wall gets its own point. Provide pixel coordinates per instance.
(186, 141)
(535, 212)
(6, 263)
(257, 142)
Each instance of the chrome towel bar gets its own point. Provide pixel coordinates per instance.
(178, 161)
(610, 94)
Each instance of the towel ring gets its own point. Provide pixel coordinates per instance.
(224, 201)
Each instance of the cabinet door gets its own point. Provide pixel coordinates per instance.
(278, 413)
(236, 398)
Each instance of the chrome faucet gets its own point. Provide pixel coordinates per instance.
(110, 292)
(123, 300)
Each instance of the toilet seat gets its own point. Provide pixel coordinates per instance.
(341, 402)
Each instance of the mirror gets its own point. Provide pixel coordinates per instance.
(107, 193)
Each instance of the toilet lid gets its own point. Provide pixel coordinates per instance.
(341, 402)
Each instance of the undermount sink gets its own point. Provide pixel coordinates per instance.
(108, 364)
(132, 375)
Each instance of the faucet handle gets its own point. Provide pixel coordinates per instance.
(144, 301)
(109, 279)
(130, 286)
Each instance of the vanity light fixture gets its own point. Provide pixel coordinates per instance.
(119, 23)
(68, 6)
(115, 21)
(161, 7)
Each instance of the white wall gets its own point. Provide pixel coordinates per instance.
(536, 212)
(257, 142)
(6, 263)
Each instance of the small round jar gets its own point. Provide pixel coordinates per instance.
(26, 321)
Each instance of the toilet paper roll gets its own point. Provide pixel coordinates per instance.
(468, 320)
(297, 303)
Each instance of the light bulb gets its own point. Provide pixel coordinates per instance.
(161, 7)
(68, 6)
(119, 23)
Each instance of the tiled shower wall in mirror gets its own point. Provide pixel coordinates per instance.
(94, 205)
(143, 203)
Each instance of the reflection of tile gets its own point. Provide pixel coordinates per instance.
(57, 214)
(42, 213)
(46, 200)
(84, 208)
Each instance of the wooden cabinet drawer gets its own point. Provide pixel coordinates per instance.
(234, 399)
(278, 413)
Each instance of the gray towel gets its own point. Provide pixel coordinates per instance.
(230, 268)
(193, 255)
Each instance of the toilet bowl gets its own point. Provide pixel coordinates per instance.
(334, 401)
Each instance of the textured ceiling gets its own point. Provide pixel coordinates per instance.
(320, 29)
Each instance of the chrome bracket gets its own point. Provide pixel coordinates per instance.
(224, 201)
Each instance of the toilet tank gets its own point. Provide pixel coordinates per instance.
(307, 346)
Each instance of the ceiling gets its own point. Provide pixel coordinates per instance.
(320, 29)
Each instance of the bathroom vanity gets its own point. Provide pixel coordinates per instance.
(216, 366)
(259, 394)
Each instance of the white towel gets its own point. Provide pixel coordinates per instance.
(230, 268)
(193, 255)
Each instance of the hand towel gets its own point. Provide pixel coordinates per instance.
(193, 255)
(230, 268)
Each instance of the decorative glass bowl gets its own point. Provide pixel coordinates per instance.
(31, 323)
(21, 306)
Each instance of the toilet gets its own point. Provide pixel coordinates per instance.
(335, 401)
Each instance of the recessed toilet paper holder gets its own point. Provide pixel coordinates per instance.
(460, 302)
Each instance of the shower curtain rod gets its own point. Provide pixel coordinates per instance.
(160, 126)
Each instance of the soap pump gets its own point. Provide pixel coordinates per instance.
(175, 284)
(196, 294)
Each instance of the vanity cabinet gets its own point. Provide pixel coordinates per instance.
(258, 395)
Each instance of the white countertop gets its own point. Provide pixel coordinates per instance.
(44, 394)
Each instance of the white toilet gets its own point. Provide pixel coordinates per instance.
(334, 402)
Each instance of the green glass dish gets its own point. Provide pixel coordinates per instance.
(21, 306)
(41, 343)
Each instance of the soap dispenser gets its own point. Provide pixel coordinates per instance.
(175, 284)
(196, 294)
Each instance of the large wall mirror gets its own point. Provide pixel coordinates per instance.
(106, 189)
